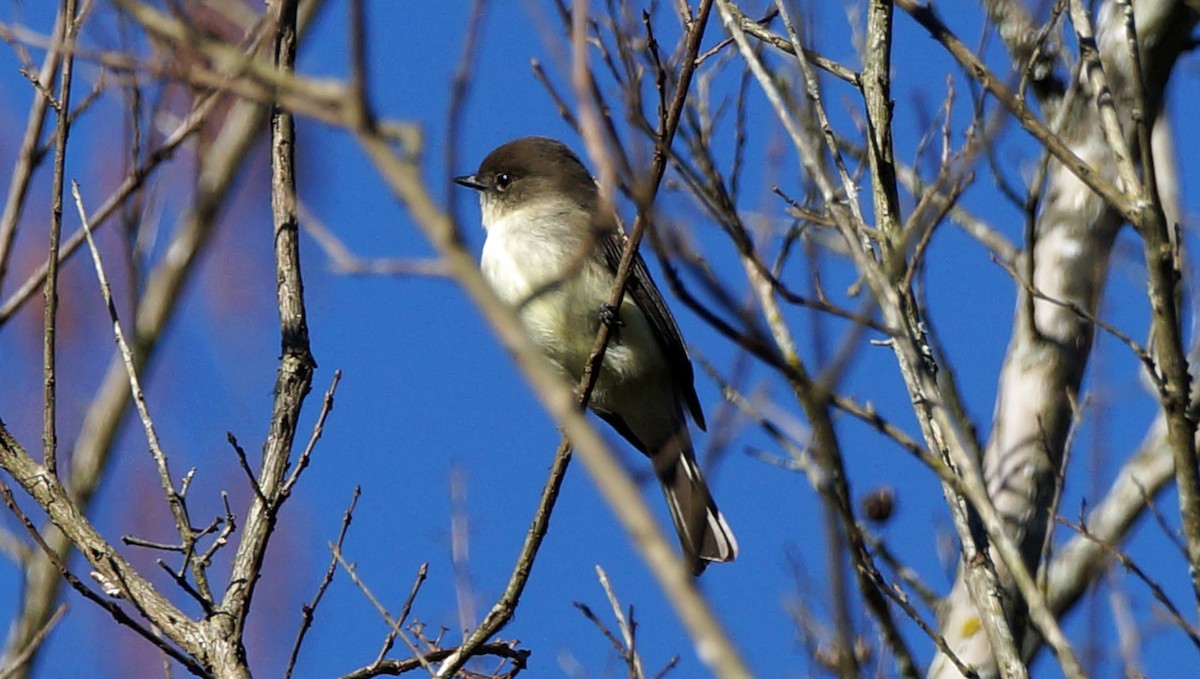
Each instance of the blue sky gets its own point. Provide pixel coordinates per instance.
(427, 391)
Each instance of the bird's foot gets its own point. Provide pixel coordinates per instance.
(610, 317)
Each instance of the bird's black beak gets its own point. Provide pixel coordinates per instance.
(469, 181)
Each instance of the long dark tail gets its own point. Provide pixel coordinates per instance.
(703, 532)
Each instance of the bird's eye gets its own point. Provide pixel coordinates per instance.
(503, 181)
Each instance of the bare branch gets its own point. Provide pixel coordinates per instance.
(308, 610)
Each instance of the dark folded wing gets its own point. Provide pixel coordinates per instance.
(645, 294)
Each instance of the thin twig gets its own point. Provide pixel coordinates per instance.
(626, 624)
(405, 610)
(244, 464)
(1192, 633)
(174, 499)
(392, 623)
(308, 611)
(70, 26)
(505, 650)
(317, 430)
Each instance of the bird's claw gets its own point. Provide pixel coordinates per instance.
(609, 316)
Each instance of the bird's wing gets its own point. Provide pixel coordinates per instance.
(645, 294)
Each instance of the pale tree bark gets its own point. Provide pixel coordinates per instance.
(1072, 237)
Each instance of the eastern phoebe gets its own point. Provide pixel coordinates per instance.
(552, 252)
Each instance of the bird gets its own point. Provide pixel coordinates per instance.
(551, 251)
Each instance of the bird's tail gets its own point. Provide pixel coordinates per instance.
(703, 532)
